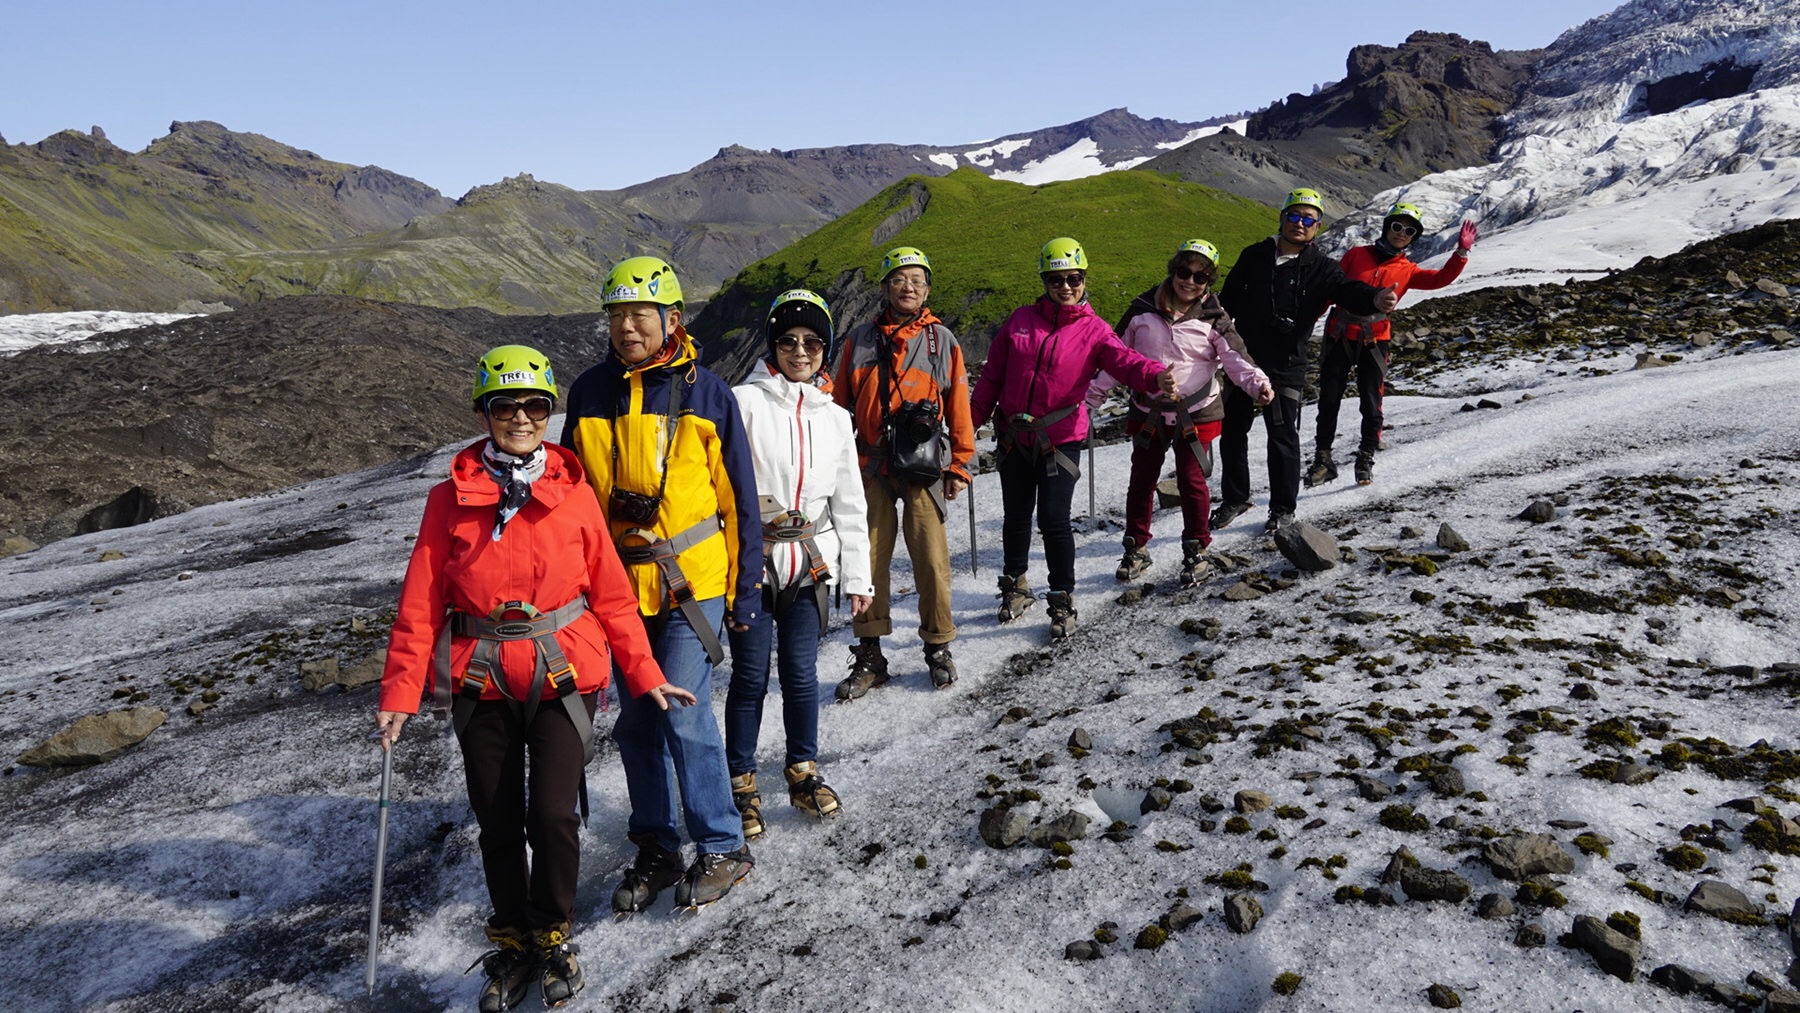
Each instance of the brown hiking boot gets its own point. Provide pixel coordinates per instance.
(562, 973)
(711, 877)
(512, 967)
(749, 803)
(868, 669)
(808, 791)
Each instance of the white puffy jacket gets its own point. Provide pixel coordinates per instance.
(804, 450)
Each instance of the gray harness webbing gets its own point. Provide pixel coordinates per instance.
(675, 583)
(784, 529)
(1184, 427)
(1053, 456)
(553, 668)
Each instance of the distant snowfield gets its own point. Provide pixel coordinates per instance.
(19, 331)
(1082, 159)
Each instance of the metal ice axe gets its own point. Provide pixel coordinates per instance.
(1091, 512)
(974, 569)
(387, 772)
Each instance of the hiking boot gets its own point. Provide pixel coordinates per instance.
(1322, 469)
(1365, 467)
(1015, 597)
(749, 803)
(1134, 562)
(562, 973)
(868, 669)
(512, 967)
(1061, 606)
(1195, 566)
(808, 791)
(711, 877)
(940, 664)
(1278, 519)
(1228, 512)
(1381, 443)
(654, 871)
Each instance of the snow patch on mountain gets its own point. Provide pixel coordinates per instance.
(19, 331)
(987, 156)
(1235, 126)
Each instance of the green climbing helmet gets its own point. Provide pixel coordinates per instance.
(905, 256)
(1062, 254)
(1405, 210)
(513, 367)
(642, 279)
(1203, 248)
(1304, 196)
(799, 307)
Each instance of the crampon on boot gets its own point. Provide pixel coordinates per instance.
(654, 870)
(1322, 469)
(749, 803)
(1195, 566)
(1134, 562)
(562, 972)
(939, 663)
(1365, 467)
(808, 791)
(711, 877)
(1061, 605)
(1226, 513)
(868, 669)
(1015, 597)
(512, 967)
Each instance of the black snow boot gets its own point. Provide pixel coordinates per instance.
(939, 663)
(512, 968)
(1226, 513)
(711, 877)
(868, 669)
(1322, 469)
(1015, 597)
(1365, 467)
(654, 871)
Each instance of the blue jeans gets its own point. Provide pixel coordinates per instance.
(797, 629)
(680, 746)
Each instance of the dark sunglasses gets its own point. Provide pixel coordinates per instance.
(1403, 228)
(1074, 279)
(1304, 221)
(1199, 276)
(503, 409)
(787, 343)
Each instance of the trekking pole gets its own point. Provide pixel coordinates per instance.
(1092, 513)
(974, 567)
(387, 771)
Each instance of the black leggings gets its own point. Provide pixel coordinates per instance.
(1024, 484)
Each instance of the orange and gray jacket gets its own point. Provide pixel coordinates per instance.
(925, 363)
(1374, 266)
(618, 424)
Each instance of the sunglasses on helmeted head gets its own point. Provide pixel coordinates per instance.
(1073, 279)
(503, 409)
(788, 342)
(1304, 221)
(1403, 228)
(1199, 276)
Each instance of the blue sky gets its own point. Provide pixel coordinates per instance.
(603, 95)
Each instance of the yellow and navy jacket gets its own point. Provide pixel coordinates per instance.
(618, 424)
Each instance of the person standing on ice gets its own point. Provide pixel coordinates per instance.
(1179, 321)
(1038, 370)
(664, 447)
(1362, 342)
(815, 531)
(1276, 291)
(514, 610)
(902, 379)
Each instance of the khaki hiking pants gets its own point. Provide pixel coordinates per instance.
(926, 545)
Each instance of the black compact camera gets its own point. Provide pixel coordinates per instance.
(1285, 324)
(635, 507)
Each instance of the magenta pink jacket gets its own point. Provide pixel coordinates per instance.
(1043, 358)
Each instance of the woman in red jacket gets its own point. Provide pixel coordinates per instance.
(1361, 343)
(515, 607)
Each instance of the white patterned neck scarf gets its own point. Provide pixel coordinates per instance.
(514, 476)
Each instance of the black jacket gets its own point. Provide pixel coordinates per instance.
(1276, 307)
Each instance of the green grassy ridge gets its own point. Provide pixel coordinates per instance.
(983, 237)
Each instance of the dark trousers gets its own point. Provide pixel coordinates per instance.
(794, 635)
(1336, 360)
(1025, 485)
(518, 802)
(1281, 419)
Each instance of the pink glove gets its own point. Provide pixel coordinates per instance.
(1465, 240)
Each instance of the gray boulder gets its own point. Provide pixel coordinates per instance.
(1420, 883)
(1523, 856)
(1242, 912)
(1720, 900)
(1003, 828)
(95, 738)
(1305, 546)
(1612, 951)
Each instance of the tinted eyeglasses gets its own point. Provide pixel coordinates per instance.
(1074, 279)
(1199, 276)
(1304, 221)
(1403, 228)
(788, 342)
(504, 409)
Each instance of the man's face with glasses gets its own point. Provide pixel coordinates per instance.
(906, 289)
(1299, 223)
